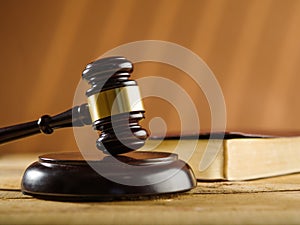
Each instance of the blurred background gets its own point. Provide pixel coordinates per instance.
(252, 46)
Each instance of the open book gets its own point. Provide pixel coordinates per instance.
(238, 157)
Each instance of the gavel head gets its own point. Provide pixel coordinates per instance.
(115, 105)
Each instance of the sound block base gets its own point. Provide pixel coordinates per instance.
(137, 175)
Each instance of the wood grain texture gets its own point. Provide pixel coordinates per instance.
(252, 46)
(265, 201)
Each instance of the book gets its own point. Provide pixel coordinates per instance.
(237, 156)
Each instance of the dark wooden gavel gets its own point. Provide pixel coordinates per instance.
(112, 109)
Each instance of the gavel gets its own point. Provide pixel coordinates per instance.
(114, 109)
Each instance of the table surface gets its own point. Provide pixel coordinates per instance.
(265, 201)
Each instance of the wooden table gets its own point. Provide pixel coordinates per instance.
(266, 201)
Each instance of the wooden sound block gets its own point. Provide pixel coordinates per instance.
(70, 177)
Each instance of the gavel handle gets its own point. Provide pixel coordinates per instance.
(76, 117)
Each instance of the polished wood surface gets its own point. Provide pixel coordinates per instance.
(266, 201)
(252, 46)
(77, 116)
(139, 174)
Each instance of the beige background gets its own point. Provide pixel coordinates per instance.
(252, 46)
